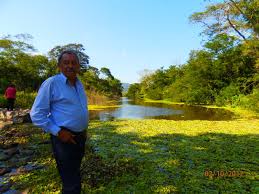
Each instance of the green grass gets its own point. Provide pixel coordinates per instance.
(173, 156)
(162, 101)
(101, 107)
(159, 156)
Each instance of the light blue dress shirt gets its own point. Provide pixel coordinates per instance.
(60, 104)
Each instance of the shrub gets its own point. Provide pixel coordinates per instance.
(202, 95)
(251, 101)
(24, 99)
(3, 102)
(155, 93)
(228, 96)
(96, 98)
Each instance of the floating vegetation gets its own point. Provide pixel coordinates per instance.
(155, 156)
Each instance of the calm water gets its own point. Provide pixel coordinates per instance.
(140, 110)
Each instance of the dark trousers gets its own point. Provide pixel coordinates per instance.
(68, 158)
(10, 103)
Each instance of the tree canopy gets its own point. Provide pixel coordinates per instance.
(22, 66)
(224, 71)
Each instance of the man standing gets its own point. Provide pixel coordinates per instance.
(60, 108)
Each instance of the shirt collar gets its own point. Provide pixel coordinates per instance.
(64, 78)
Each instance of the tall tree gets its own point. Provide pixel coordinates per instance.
(18, 65)
(235, 17)
(106, 72)
(79, 48)
(238, 18)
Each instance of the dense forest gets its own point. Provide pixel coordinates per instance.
(22, 66)
(224, 72)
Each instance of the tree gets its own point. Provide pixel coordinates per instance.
(134, 91)
(108, 85)
(106, 73)
(239, 18)
(18, 65)
(234, 17)
(78, 48)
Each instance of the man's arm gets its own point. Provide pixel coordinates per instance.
(41, 109)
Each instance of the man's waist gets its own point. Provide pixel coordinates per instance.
(74, 122)
(74, 132)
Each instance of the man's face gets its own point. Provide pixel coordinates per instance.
(69, 66)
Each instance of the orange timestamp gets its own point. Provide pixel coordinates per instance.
(224, 173)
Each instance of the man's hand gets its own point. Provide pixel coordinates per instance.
(66, 136)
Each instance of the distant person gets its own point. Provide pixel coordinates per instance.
(60, 108)
(10, 95)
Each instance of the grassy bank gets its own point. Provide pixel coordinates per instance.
(238, 111)
(158, 156)
(101, 107)
(162, 101)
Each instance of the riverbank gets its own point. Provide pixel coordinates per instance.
(154, 156)
(101, 107)
(240, 113)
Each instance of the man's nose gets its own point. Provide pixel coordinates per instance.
(70, 65)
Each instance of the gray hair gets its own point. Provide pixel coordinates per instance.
(73, 52)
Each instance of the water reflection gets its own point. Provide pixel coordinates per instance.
(142, 110)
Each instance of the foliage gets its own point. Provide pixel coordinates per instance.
(176, 159)
(238, 17)
(225, 71)
(207, 77)
(134, 91)
(250, 101)
(25, 99)
(18, 66)
(152, 84)
(101, 107)
(102, 82)
(151, 156)
(3, 101)
(96, 81)
(78, 48)
(33, 139)
(228, 95)
(21, 66)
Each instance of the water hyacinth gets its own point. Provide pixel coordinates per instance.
(153, 156)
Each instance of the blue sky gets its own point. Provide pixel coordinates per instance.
(126, 36)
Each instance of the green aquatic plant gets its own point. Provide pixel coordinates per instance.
(155, 156)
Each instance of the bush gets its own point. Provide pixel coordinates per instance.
(155, 93)
(200, 95)
(251, 101)
(24, 99)
(94, 97)
(228, 96)
(3, 102)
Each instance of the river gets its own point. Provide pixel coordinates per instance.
(143, 110)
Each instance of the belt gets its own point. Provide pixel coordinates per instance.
(80, 133)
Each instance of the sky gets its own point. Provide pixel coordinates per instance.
(126, 36)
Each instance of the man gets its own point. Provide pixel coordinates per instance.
(60, 108)
(10, 95)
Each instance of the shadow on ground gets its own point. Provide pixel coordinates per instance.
(121, 161)
(168, 163)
